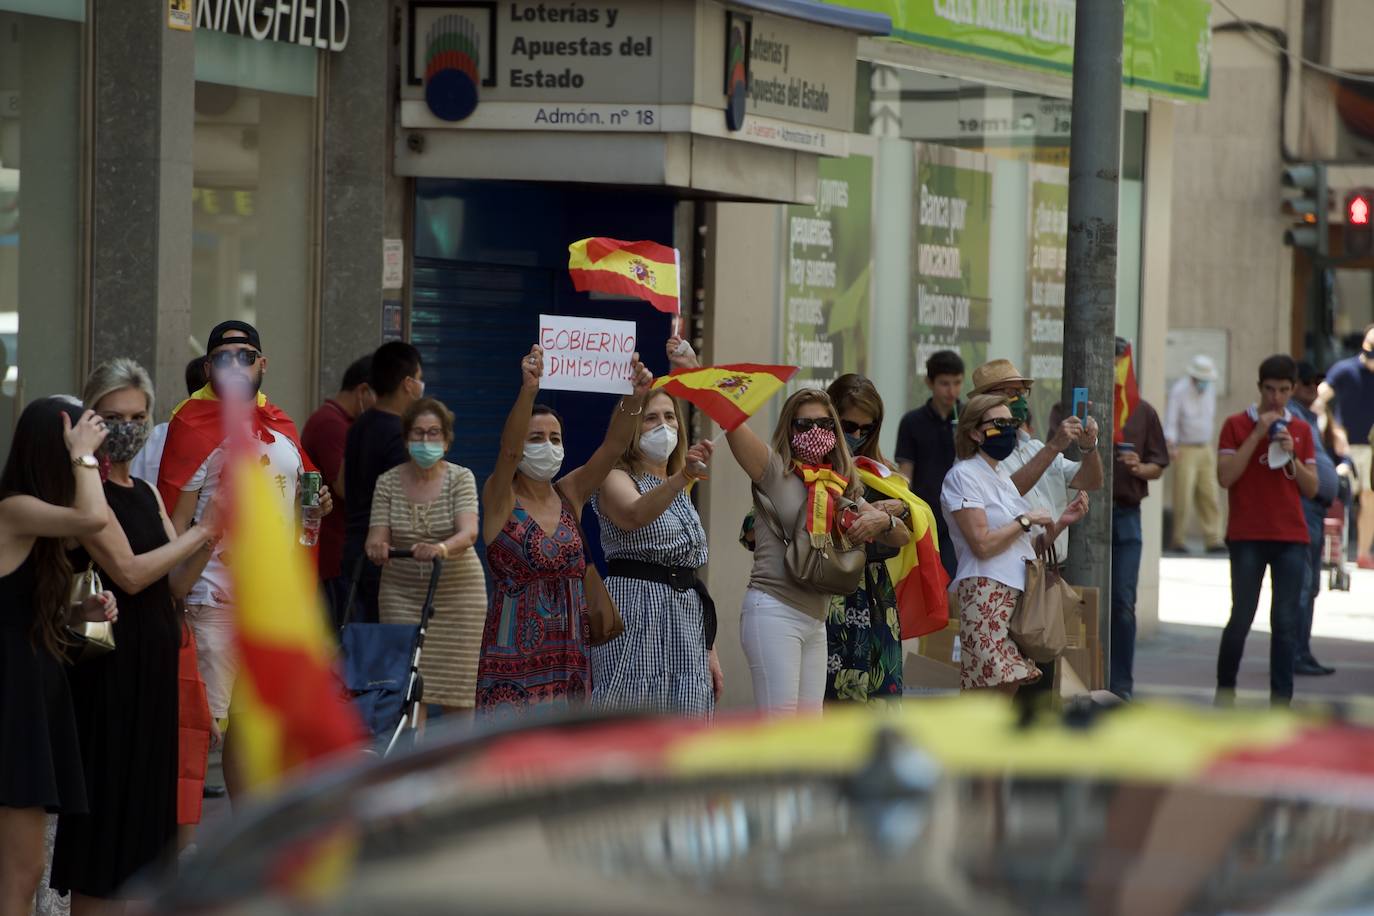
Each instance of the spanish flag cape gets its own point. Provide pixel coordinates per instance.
(918, 577)
(197, 429)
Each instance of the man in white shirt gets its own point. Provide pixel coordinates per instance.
(1189, 429)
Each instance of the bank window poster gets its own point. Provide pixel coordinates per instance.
(829, 267)
(951, 298)
(1045, 273)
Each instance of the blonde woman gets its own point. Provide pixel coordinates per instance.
(991, 525)
(654, 542)
(782, 626)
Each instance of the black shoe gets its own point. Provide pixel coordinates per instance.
(1220, 550)
(214, 791)
(1310, 667)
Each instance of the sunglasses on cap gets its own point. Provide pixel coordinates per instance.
(856, 429)
(806, 424)
(226, 358)
(1003, 423)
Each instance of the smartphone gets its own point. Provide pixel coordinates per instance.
(1080, 403)
(848, 516)
(1125, 446)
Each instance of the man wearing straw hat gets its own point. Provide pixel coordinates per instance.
(1189, 428)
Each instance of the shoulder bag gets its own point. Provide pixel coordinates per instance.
(90, 639)
(602, 614)
(834, 568)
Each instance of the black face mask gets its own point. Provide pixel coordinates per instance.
(998, 444)
(854, 442)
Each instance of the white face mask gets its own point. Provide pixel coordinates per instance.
(542, 461)
(658, 443)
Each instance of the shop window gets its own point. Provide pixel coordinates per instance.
(253, 202)
(40, 203)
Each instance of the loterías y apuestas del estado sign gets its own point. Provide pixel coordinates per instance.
(313, 23)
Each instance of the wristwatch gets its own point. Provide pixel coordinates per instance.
(1024, 521)
(86, 461)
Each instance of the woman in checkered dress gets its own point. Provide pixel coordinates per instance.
(654, 544)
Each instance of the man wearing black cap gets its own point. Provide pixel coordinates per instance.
(192, 462)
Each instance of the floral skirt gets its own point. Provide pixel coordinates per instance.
(864, 642)
(987, 655)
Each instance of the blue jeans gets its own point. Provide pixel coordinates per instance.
(1312, 582)
(1287, 564)
(1127, 544)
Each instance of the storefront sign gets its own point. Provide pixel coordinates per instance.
(314, 23)
(829, 269)
(797, 72)
(952, 297)
(586, 354)
(393, 263)
(1045, 272)
(1168, 43)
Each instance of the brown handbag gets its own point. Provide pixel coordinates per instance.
(602, 614)
(834, 568)
(1037, 626)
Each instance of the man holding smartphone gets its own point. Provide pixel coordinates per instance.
(1141, 456)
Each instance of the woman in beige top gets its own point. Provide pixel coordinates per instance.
(429, 506)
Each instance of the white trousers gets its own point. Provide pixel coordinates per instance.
(786, 652)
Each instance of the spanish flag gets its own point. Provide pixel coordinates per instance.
(645, 270)
(918, 576)
(289, 708)
(727, 394)
(197, 429)
(1127, 393)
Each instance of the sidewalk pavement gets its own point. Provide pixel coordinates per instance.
(1179, 661)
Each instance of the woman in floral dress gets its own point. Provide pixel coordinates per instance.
(535, 642)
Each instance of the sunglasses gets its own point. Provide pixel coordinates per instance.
(806, 424)
(1003, 424)
(226, 358)
(855, 429)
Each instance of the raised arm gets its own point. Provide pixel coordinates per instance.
(496, 491)
(1089, 476)
(133, 572)
(28, 516)
(1027, 476)
(582, 482)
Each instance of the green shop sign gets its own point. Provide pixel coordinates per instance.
(1168, 43)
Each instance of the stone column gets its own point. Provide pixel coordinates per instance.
(144, 119)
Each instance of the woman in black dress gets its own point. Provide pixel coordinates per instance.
(126, 701)
(50, 490)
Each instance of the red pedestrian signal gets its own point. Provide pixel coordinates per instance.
(1359, 234)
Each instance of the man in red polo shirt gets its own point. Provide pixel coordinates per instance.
(1267, 462)
(323, 439)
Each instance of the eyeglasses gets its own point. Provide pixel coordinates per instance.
(226, 358)
(806, 424)
(426, 435)
(855, 429)
(1003, 423)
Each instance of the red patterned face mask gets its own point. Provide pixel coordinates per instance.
(812, 446)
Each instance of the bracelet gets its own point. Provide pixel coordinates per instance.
(443, 549)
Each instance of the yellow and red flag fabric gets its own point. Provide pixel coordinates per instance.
(727, 394)
(823, 485)
(645, 270)
(197, 429)
(918, 577)
(1127, 394)
(289, 708)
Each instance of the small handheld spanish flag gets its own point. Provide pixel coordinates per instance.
(727, 394)
(645, 270)
(1126, 391)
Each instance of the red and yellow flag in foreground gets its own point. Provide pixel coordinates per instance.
(727, 394)
(1127, 394)
(646, 270)
(289, 708)
(918, 577)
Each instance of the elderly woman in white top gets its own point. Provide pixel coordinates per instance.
(991, 525)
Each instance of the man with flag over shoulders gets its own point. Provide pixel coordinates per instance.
(190, 475)
(1142, 454)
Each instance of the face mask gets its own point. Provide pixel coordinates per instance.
(812, 446)
(124, 440)
(997, 444)
(1020, 409)
(658, 443)
(854, 442)
(542, 461)
(420, 384)
(426, 454)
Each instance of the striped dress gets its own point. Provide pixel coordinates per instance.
(449, 661)
(660, 662)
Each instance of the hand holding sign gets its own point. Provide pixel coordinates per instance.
(640, 376)
(532, 368)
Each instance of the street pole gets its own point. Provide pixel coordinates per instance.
(1090, 294)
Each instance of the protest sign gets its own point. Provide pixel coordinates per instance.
(586, 354)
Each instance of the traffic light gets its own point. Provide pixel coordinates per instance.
(1359, 234)
(1309, 208)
